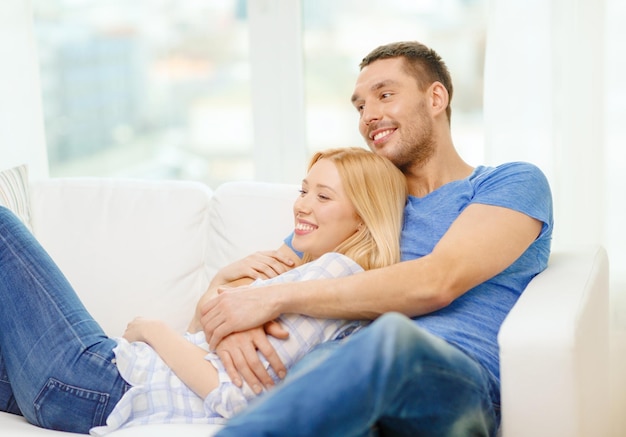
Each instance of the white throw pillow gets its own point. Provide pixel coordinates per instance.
(14, 192)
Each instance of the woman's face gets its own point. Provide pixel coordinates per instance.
(324, 217)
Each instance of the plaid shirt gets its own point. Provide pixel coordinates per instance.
(157, 395)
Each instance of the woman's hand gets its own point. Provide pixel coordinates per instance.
(263, 265)
(140, 328)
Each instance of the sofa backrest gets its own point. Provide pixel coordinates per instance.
(247, 217)
(130, 248)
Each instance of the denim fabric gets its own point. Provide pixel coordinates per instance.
(391, 378)
(56, 363)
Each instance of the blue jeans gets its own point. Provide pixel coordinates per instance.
(57, 366)
(391, 378)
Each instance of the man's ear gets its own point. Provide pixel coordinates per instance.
(439, 98)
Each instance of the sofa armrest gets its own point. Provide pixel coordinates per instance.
(128, 247)
(554, 350)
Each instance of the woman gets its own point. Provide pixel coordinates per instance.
(62, 372)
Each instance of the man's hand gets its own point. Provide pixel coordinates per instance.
(235, 310)
(238, 353)
(264, 265)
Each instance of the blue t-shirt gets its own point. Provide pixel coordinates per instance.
(473, 320)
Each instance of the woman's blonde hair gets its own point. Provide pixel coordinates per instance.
(377, 191)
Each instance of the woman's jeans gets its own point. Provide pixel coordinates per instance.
(389, 379)
(57, 366)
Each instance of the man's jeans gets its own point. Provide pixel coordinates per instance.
(390, 379)
(57, 366)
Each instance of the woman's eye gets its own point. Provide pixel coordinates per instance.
(323, 197)
(302, 192)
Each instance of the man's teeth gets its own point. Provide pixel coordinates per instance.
(382, 134)
(304, 227)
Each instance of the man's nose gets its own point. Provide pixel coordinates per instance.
(371, 113)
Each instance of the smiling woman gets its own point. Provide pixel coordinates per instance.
(324, 214)
(342, 200)
(153, 374)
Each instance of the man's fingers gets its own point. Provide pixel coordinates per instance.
(276, 330)
(272, 357)
(213, 330)
(240, 355)
(258, 376)
(243, 363)
(216, 337)
(229, 367)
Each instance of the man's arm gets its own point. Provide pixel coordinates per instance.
(483, 241)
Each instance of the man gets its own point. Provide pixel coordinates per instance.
(473, 238)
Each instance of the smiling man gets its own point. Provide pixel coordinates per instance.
(473, 238)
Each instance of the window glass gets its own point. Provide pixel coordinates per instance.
(161, 88)
(338, 34)
(145, 88)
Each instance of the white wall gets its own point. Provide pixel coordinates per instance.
(551, 93)
(21, 119)
(544, 103)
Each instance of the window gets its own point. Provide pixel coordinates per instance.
(148, 88)
(162, 88)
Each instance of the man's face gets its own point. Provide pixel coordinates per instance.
(394, 118)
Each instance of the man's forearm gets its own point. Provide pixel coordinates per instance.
(480, 244)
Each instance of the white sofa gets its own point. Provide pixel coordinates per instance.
(150, 248)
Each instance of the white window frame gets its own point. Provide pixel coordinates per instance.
(277, 79)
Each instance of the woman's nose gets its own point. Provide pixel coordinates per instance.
(301, 205)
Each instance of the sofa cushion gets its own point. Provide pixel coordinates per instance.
(128, 247)
(247, 217)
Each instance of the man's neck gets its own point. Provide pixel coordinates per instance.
(438, 171)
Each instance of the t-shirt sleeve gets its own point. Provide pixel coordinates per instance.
(289, 242)
(520, 186)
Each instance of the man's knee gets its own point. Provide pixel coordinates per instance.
(396, 329)
(392, 323)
